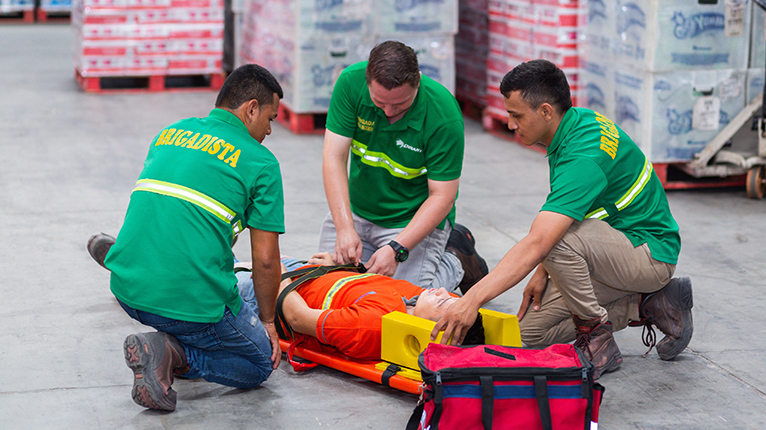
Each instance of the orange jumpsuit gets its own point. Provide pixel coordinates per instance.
(353, 305)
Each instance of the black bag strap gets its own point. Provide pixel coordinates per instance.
(487, 401)
(541, 391)
(388, 373)
(306, 274)
(412, 423)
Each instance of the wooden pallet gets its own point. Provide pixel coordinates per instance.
(154, 83)
(673, 178)
(53, 16)
(301, 123)
(18, 17)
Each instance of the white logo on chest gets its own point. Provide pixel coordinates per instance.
(401, 144)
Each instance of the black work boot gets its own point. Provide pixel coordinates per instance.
(670, 310)
(596, 340)
(462, 243)
(98, 246)
(154, 357)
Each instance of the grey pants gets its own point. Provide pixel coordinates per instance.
(427, 266)
(595, 272)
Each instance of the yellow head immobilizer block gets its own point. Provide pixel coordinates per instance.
(406, 336)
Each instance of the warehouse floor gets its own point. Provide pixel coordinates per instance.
(69, 163)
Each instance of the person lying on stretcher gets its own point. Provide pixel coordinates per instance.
(344, 309)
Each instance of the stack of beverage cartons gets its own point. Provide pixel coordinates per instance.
(15, 6)
(757, 64)
(147, 37)
(307, 43)
(523, 30)
(56, 6)
(671, 73)
(471, 50)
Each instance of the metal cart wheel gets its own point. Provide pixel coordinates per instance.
(755, 182)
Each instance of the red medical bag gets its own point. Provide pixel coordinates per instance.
(497, 387)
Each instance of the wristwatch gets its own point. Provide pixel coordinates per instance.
(400, 253)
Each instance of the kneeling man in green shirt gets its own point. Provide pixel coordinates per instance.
(604, 245)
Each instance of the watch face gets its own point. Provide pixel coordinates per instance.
(401, 255)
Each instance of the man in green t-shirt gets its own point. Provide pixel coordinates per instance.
(203, 181)
(605, 244)
(393, 206)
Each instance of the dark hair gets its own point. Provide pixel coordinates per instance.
(475, 334)
(539, 81)
(246, 83)
(393, 64)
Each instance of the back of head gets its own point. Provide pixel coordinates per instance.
(393, 64)
(475, 334)
(539, 81)
(246, 83)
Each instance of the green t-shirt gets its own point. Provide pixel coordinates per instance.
(391, 163)
(204, 179)
(596, 171)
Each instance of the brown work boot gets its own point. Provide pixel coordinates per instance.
(98, 246)
(596, 340)
(670, 310)
(462, 243)
(154, 357)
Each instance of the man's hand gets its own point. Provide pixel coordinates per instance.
(533, 292)
(322, 259)
(383, 262)
(456, 321)
(276, 352)
(348, 247)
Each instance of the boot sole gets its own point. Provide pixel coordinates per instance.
(147, 390)
(613, 364)
(681, 297)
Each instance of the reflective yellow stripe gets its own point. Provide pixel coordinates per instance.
(338, 285)
(599, 213)
(236, 228)
(379, 159)
(643, 179)
(635, 190)
(166, 188)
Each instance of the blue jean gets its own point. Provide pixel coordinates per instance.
(235, 351)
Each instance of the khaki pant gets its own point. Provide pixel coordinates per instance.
(595, 272)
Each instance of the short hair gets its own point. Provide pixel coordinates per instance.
(393, 64)
(539, 81)
(245, 83)
(475, 334)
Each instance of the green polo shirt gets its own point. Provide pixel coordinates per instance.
(391, 163)
(203, 180)
(596, 171)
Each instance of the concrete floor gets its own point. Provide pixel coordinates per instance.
(69, 163)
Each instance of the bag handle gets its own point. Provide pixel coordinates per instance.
(541, 391)
(414, 421)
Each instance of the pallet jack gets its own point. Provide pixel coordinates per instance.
(745, 147)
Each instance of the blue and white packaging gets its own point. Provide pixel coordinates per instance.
(316, 65)
(669, 35)
(673, 115)
(598, 87)
(758, 38)
(416, 17)
(8, 6)
(436, 56)
(755, 80)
